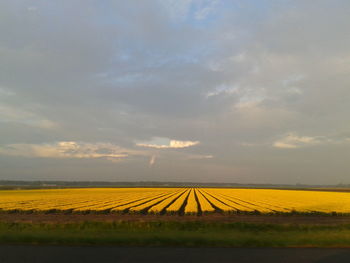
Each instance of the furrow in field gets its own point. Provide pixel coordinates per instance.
(243, 206)
(264, 204)
(177, 205)
(204, 203)
(250, 205)
(291, 200)
(45, 204)
(93, 205)
(112, 204)
(53, 202)
(162, 206)
(224, 194)
(198, 204)
(65, 206)
(136, 199)
(146, 206)
(113, 201)
(218, 203)
(69, 204)
(101, 204)
(73, 198)
(262, 208)
(128, 205)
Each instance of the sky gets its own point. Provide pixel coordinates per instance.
(175, 90)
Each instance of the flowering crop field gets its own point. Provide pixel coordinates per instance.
(195, 201)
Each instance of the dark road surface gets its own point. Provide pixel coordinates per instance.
(61, 254)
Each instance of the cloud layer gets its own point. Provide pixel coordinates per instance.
(247, 79)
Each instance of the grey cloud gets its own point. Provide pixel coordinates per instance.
(119, 72)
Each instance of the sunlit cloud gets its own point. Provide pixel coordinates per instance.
(165, 143)
(292, 141)
(199, 157)
(68, 149)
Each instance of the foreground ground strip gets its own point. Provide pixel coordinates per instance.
(176, 234)
(279, 219)
(87, 254)
(174, 201)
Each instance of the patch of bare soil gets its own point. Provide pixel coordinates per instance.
(266, 219)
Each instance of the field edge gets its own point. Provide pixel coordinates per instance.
(187, 234)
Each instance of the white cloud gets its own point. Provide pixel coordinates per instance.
(292, 141)
(182, 144)
(199, 157)
(222, 89)
(164, 143)
(280, 144)
(68, 149)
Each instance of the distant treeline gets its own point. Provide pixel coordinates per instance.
(63, 184)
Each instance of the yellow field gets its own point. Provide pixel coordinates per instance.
(174, 200)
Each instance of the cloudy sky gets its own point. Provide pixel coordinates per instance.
(175, 90)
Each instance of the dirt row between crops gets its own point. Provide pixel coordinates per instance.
(273, 219)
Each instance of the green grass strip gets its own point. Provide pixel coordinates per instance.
(188, 234)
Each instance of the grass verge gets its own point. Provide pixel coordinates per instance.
(188, 234)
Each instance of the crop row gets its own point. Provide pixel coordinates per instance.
(174, 200)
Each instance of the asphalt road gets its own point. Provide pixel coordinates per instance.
(62, 254)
